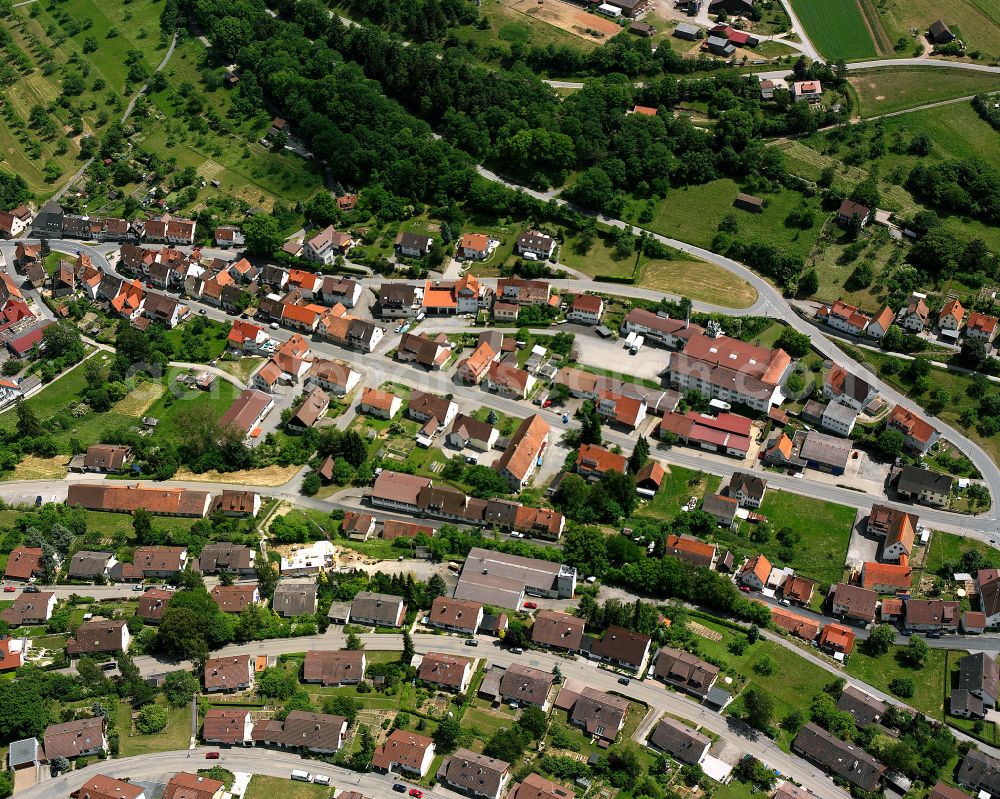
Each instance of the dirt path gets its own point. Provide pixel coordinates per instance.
(874, 25)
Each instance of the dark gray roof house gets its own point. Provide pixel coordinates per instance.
(940, 33)
(87, 565)
(473, 774)
(864, 708)
(380, 610)
(680, 741)
(845, 760)
(294, 598)
(980, 772)
(980, 675)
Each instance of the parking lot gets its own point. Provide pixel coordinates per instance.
(648, 363)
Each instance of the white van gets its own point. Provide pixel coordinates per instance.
(321, 779)
(301, 776)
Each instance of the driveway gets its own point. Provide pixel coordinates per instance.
(862, 548)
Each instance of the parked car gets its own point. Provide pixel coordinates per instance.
(416, 793)
(623, 680)
(471, 642)
(399, 788)
(139, 588)
(9, 589)
(744, 589)
(530, 605)
(31, 589)
(211, 755)
(202, 311)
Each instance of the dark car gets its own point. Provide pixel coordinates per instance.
(471, 642)
(31, 589)
(211, 755)
(399, 788)
(623, 680)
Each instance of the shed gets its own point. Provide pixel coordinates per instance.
(687, 31)
(749, 203)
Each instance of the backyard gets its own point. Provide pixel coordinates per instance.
(176, 736)
(262, 787)
(931, 683)
(679, 485)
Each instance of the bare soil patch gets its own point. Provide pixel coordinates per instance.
(569, 18)
(268, 476)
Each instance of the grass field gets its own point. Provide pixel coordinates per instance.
(956, 131)
(692, 214)
(261, 787)
(175, 736)
(930, 681)
(948, 548)
(882, 91)
(977, 20)
(836, 27)
(698, 281)
(678, 487)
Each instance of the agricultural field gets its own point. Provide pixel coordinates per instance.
(837, 28)
(884, 91)
(698, 281)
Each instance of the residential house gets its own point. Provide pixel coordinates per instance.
(747, 489)
(680, 741)
(473, 369)
(358, 526)
(102, 787)
(294, 598)
(535, 243)
(755, 572)
(980, 773)
(919, 436)
(845, 760)
(392, 529)
(239, 503)
(73, 739)
(229, 726)
(397, 491)
(853, 603)
(222, 556)
(469, 295)
(988, 589)
(896, 527)
(587, 309)
(925, 486)
(247, 412)
(848, 389)
(30, 609)
(620, 409)
(973, 622)
(881, 323)
(805, 628)
(525, 685)
(325, 246)
(230, 673)
(932, 615)
(809, 91)
(431, 352)
(474, 775)
(886, 578)
(445, 671)
(23, 563)
(864, 708)
(413, 245)
(185, 785)
(535, 786)
(474, 247)
(981, 327)
(951, 316)
(691, 550)
(978, 674)
(383, 404)
(601, 715)
(914, 317)
(378, 610)
(400, 300)
(557, 630)
(849, 209)
(620, 647)
(236, 598)
(404, 752)
(14, 223)
(524, 452)
(99, 637)
(467, 431)
(685, 671)
(314, 732)
(943, 791)
(423, 407)
(504, 377)
(838, 419)
(846, 318)
(91, 566)
(521, 291)
(334, 667)
(722, 509)
(649, 479)
(594, 461)
(228, 236)
(152, 603)
(107, 458)
(312, 409)
(456, 615)
(798, 589)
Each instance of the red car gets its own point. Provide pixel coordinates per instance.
(547, 403)
(744, 589)
(416, 792)
(530, 605)
(9, 589)
(211, 755)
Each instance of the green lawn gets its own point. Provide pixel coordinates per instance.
(931, 681)
(836, 27)
(678, 486)
(174, 410)
(948, 548)
(261, 787)
(176, 736)
(882, 91)
(198, 340)
(692, 214)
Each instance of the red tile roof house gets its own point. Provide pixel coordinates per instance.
(334, 667)
(456, 615)
(557, 630)
(235, 598)
(473, 369)
(445, 671)
(844, 317)
(382, 404)
(72, 739)
(951, 316)
(101, 787)
(620, 647)
(981, 327)
(100, 636)
(691, 550)
(231, 673)
(587, 309)
(594, 461)
(619, 409)
(914, 317)
(524, 452)
(160, 501)
(240, 504)
(535, 786)
(506, 378)
(837, 639)
(398, 491)
(404, 753)
(185, 785)
(152, 604)
(919, 436)
(227, 726)
(755, 572)
(23, 563)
